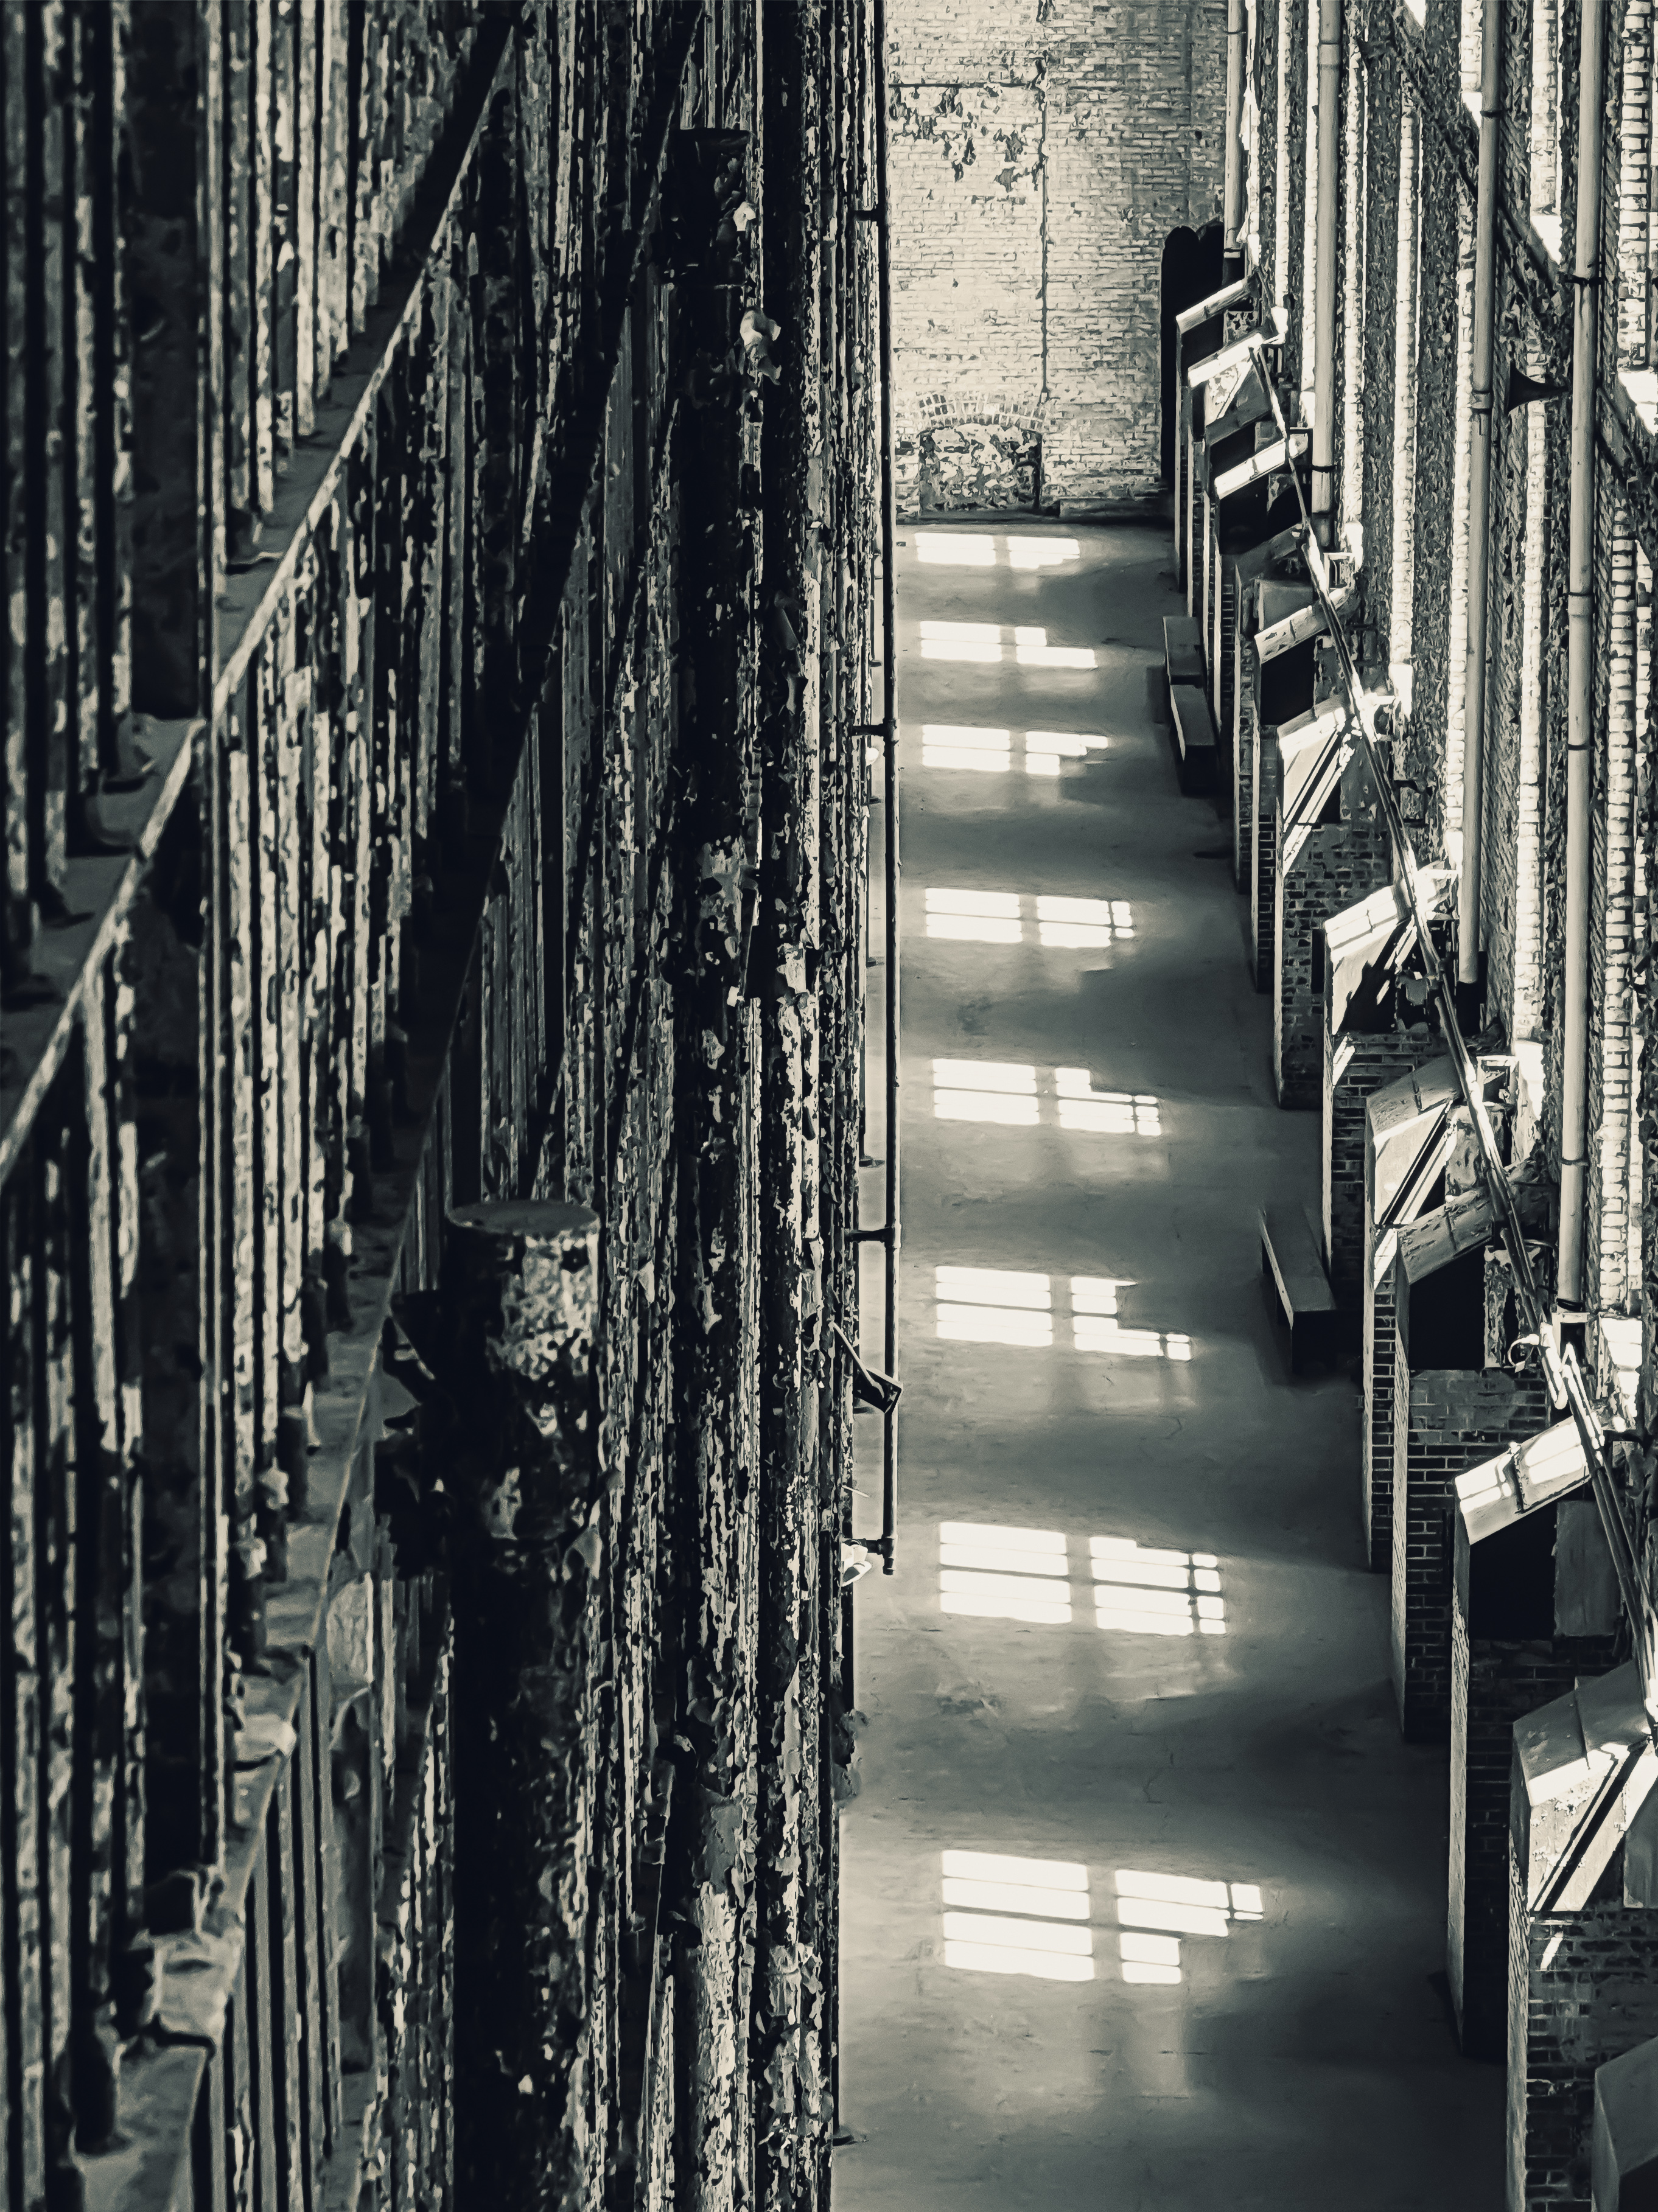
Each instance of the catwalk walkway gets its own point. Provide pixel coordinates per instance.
(1143, 1895)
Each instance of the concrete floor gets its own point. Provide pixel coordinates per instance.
(1301, 2058)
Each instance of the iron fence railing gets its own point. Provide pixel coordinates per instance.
(356, 422)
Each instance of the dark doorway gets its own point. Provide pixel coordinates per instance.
(1192, 270)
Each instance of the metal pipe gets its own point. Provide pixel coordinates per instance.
(1179, 485)
(1479, 489)
(1232, 245)
(889, 735)
(1324, 331)
(1580, 645)
(1565, 1379)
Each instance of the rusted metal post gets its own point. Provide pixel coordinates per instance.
(520, 1314)
(786, 2059)
(173, 240)
(717, 1112)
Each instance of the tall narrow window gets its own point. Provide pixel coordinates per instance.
(1405, 383)
(1634, 183)
(1610, 1194)
(1546, 107)
(1641, 929)
(1455, 719)
(1310, 226)
(1525, 1013)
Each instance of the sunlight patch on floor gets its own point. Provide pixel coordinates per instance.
(969, 548)
(1020, 1919)
(1000, 1573)
(1018, 1095)
(992, 752)
(1025, 644)
(1006, 1305)
(1058, 924)
(1152, 1592)
(1154, 1910)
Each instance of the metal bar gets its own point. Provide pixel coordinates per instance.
(1232, 244)
(1324, 329)
(1580, 664)
(1480, 485)
(889, 732)
(1565, 1378)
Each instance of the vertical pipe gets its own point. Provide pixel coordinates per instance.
(1580, 643)
(1479, 489)
(1232, 246)
(1179, 486)
(1324, 336)
(889, 735)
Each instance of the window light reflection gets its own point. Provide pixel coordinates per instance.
(998, 1866)
(1154, 1910)
(985, 1091)
(1104, 1113)
(988, 642)
(1017, 1916)
(996, 1573)
(1001, 1305)
(1151, 1592)
(1042, 552)
(1013, 1092)
(1015, 1897)
(1079, 922)
(958, 550)
(992, 752)
(948, 640)
(979, 549)
(1006, 918)
(952, 744)
(979, 917)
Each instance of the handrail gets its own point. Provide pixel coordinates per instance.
(891, 1237)
(1567, 1385)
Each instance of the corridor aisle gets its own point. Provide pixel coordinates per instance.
(1143, 1895)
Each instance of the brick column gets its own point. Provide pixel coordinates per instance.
(1625, 2169)
(1336, 866)
(1223, 666)
(1447, 1419)
(1534, 1604)
(1263, 856)
(1245, 716)
(1582, 1953)
(1354, 1069)
(1401, 1119)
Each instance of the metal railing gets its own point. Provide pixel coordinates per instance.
(1567, 1386)
(357, 898)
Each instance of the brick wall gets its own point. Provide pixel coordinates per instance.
(1262, 175)
(1583, 1987)
(1376, 1463)
(1439, 492)
(1338, 865)
(1445, 1420)
(1263, 857)
(1244, 715)
(1041, 155)
(1387, 205)
(1611, 907)
(1354, 1067)
(1494, 1683)
(1401, 434)
(1511, 848)
(1351, 238)
(1297, 143)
